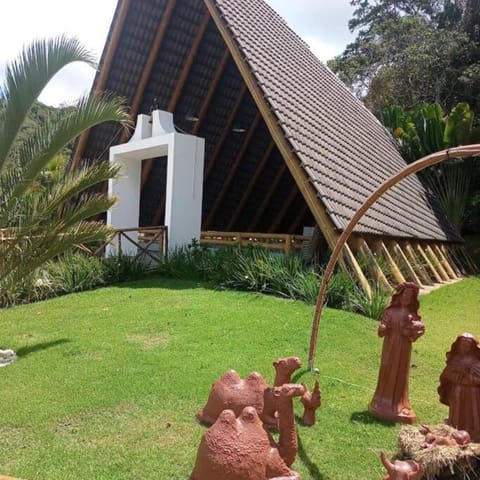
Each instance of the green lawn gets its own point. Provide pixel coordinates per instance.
(109, 381)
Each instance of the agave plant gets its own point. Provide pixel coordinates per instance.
(40, 220)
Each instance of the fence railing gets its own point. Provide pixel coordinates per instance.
(143, 241)
(270, 241)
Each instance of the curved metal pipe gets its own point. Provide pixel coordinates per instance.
(428, 161)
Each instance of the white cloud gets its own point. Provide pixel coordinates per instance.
(88, 20)
(322, 23)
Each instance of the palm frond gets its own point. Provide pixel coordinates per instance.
(26, 77)
(39, 149)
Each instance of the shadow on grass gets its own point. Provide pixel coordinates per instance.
(24, 351)
(367, 418)
(308, 463)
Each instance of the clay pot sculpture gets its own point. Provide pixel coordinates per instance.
(311, 401)
(239, 448)
(402, 470)
(460, 385)
(233, 393)
(400, 326)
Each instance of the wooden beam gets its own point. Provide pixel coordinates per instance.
(437, 263)
(296, 221)
(158, 212)
(436, 275)
(180, 82)
(251, 185)
(104, 72)
(358, 271)
(283, 211)
(152, 57)
(468, 259)
(306, 188)
(426, 280)
(395, 269)
(187, 66)
(456, 260)
(233, 169)
(201, 117)
(370, 257)
(266, 200)
(446, 262)
(211, 91)
(226, 130)
(413, 274)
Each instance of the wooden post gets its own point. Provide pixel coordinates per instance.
(396, 272)
(358, 271)
(407, 263)
(429, 264)
(437, 263)
(455, 260)
(370, 257)
(426, 280)
(449, 264)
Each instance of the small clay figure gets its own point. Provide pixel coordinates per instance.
(458, 438)
(460, 385)
(400, 326)
(402, 470)
(241, 449)
(311, 401)
(233, 393)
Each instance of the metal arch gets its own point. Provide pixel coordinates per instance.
(428, 161)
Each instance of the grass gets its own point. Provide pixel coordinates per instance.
(109, 381)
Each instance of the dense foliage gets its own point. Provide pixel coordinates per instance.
(247, 269)
(416, 65)
(426, 129)
(410, 52)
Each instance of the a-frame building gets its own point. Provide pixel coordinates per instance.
(287, 145)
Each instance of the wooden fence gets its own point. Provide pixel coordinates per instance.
(147, 237)
(270, 241)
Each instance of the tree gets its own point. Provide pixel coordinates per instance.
(42, 219)
(410, 52)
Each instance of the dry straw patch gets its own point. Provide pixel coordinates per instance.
(149, 341)
(440, 462)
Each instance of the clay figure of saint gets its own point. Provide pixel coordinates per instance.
(460, 385)
(400, 326)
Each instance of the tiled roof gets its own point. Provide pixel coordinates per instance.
(343, 148)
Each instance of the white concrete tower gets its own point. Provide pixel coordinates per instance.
(155, 136)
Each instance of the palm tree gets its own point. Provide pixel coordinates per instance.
(40, 220)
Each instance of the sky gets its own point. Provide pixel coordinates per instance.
(321, 23)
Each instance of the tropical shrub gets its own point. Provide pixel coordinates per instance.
(41, 219)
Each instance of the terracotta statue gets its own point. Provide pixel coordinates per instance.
(460, 385)
(400, 326)
(241, 449)
(458, 438)
(311, 401)
(233, 393)
(402, 470)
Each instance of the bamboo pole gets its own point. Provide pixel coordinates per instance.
(397, 273)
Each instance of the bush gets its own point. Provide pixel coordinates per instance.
(74, 272)
(257, 270)
(124, 268)
(370, 306)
